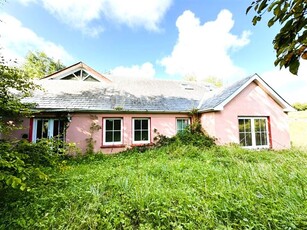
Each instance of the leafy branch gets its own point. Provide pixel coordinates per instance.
(290, 43)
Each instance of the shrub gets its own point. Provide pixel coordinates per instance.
(192, 135)
(21, 163)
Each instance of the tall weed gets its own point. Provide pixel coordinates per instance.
(170, 187)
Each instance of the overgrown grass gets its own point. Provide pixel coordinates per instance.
(173, 187)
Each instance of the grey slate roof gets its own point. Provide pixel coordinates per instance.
(218, 98)
(131, 95)
(125, 95)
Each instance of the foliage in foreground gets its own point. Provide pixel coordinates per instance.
(14, 86)
(22, 163)
(290, 43)
(193, 135)
(171, 187)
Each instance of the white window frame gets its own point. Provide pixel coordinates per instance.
(50, 128)
(187, 119)
(104, 141)
(133, 130)
(253, 133)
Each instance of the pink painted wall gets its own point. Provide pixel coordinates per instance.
(252, 101)
(79, 127)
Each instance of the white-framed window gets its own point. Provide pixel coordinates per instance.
(112, 131)
(141, 130)
(48, 128)
(182, 123)
(254, 132)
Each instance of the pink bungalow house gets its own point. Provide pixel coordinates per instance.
(78, 103)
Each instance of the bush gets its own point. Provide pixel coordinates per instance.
(21, 163)
(192, 135)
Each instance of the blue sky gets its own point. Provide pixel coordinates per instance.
(169, 39)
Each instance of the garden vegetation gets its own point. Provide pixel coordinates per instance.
(180, 183)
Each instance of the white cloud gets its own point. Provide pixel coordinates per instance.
(291, 87)
(137, 13)
(77, 14)
(16, 41)
(144, 71)
(203, 50)
(26, 2)
(84, 15)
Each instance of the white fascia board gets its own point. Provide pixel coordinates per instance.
(264, 86)
(274, 95)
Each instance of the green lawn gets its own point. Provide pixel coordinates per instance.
(174, 187)
(298, 128)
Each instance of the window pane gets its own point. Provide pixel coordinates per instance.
(257, 125)
(78, 73)
(56, 128)
(258, 139)
(70, 77)
(144, 124)
(45, 128)
(261, 132)
(247, 125)
(179, 124)
(263, 124)
(62, 127)
(84, 74)
(109, 136)
(145, 135)
(241, 125)
(117, 124)
(137, 136)
(137, 124)
(245, 134)
(109, 124)
(249, 139)
(39, 129)
(242, 139)
(264, 139)
(117, 136)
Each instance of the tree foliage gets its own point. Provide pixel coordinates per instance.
(39, 65)
(290, 43)
(215, 81)
(14, 85)
(300, 106)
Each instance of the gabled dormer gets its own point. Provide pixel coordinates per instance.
(78, 72)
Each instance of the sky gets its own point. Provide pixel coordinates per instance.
(163, 39)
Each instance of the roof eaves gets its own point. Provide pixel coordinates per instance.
(72, 68)
(106, 111)
(51, 76)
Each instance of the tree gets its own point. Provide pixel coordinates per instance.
(215, 81)
(14, 85)
(39, 65)
(300, 106)
(290, 43)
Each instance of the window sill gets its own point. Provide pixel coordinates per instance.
(256, 147)
(142, 144)
(112, 146)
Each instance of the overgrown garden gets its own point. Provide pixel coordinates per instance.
(180, 183)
